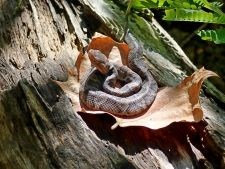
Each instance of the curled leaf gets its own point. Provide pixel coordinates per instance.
(172, 104)
(105, 45)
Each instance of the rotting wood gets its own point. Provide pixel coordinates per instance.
(37, 124)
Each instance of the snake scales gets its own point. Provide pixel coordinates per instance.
(98, 92)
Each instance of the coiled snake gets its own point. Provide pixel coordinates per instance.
(98, 89)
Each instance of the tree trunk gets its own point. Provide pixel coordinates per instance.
(40, 41)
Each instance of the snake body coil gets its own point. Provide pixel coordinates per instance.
(93, 96)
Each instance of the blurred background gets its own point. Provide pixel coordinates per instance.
(201, 53)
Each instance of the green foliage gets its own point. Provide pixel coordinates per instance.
(193, 16)
(140, 4)
(192, 11)
(218, 36)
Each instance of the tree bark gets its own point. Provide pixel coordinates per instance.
(40, 41)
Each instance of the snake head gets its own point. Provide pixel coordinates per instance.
(99, 60)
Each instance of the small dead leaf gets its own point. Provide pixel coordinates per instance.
(102, 43)
(105, 45)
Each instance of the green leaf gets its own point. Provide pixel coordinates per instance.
(217, 36)
(140, 4)
(193, 15)
(217, 4)
(161, 3)
(208, 5)
(181, 4)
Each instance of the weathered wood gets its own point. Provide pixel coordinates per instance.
(39, 41)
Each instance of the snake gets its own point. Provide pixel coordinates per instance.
(98, 89)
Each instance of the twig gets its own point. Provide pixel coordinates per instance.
(127, 19)
(188, 38)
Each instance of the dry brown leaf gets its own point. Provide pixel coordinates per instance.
(172, 104)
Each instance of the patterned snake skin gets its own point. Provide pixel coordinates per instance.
(93, 95)
(123, 74)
